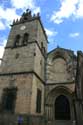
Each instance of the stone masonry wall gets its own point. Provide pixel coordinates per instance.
(31, 29)
(41, 36)
(57, 71)
(37, 84)
(39, 63)
(18, 59)
(23, 83)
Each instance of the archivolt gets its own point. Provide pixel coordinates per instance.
(56, 92)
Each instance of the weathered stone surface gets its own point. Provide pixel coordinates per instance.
(60, 66)
(24, 62)
(13, 119)
(29, 68)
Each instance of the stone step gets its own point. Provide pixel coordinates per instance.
(61, 122)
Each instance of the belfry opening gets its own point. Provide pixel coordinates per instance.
(62, 108)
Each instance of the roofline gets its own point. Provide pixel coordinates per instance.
(60, 48)
(43, 29)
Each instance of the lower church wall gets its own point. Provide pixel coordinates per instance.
(8, 119)
(37, 85)
(23, 84)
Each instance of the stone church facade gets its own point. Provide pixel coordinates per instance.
(36, 87)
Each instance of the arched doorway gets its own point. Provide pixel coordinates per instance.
(62, 108)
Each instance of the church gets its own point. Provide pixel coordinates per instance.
(39, 87)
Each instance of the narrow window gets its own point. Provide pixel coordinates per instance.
(25, 39)
(17, 40)
(38, 101)
(8, 99)
(42, 47)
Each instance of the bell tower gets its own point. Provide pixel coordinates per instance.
(22, 72)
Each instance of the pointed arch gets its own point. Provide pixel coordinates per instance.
(62, 108)
(25, 39)
(17, 40)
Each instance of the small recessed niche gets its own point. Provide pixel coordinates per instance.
(17, 55)
(40, 62)
(34, 54)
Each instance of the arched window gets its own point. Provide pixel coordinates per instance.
(25, 39)
(62, 108)
(17, 40)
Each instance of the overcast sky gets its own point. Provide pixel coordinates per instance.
(62, 20)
